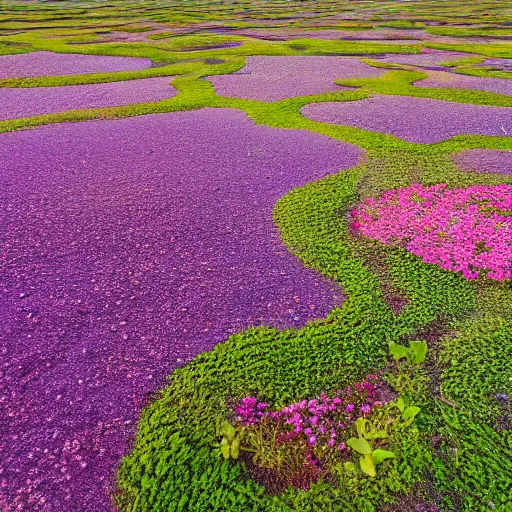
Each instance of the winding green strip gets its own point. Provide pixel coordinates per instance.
(195, 93)
(399, 83)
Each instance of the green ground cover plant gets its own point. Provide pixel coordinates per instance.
(488, 31)
(501, 50)
(364, 321)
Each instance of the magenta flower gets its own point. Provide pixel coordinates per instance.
(365, 409)
(318, 427)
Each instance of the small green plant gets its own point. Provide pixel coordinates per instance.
(367, 430)
(230, 442)
(415, 353)
(370, 457)
(408, 413)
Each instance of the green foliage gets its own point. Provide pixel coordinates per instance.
(230, 442)
(477, 366)
(378, 430)
(489, 31)
(475, 463)
(360, 445)
(172, 475)
(399, 83)
(415, 353)
(499, 50)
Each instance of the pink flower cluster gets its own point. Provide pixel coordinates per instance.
(466, 230)
(317, 423)
(250, 410)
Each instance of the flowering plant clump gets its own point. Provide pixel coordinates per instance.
(466, 230)
(298, 441)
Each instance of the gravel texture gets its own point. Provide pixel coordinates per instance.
(421, 120)
(130, 246)
(385, 35)
(453, 81)
(286, 34)
(485, 160)
(15, 103)
(429, 59)
(276, 78)
(503, 64)
(49, 64)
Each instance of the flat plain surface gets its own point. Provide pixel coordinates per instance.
(131, 246)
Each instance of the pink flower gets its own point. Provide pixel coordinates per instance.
(365, 409)
(467, 230)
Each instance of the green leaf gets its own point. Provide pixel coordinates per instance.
(228, 430)
(224, 448)
(235, 448)
(398, 351)
(400, 404)
(411, 412)
(367, 465)
(379, 434)
(380, 455)
(360, 445)
(419, 351)
(361, 427)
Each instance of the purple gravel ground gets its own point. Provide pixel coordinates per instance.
(49, 64)
(503, 64)
(429, 59)
(27, 102)
(485, 160)
(413, 36)
(287, 34)
(277, 78)
(454, 81)
(129, 247)
(420, 120)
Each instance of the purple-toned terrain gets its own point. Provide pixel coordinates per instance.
(276, 78)
(129, 247)
(390, 36)
(503, 64)
(49, 64)
(453, 81)
(287, 33)
(27, 102)
(485, 160)
(421, 120)
(429, 59)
